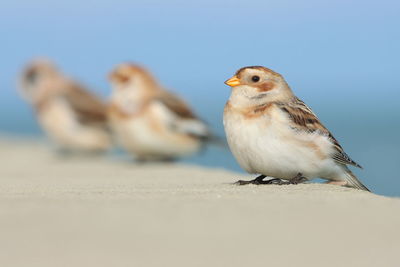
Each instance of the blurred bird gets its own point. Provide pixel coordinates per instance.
(150, 122)
(72, 117)
(273, 133)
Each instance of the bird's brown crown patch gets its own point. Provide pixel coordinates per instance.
(240, 71)
(127, 71)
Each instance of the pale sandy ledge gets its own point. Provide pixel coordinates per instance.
(105, 212)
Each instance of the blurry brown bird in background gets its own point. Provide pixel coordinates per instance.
(150, 122)
(72, 117)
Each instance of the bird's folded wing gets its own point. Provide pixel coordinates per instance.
(304, 119)
(183, 120)
(88, 107)
(176, 105)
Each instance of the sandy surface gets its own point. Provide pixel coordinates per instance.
(105, 212)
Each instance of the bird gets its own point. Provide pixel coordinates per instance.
(272, 133)
(74, 118)
(148, 121)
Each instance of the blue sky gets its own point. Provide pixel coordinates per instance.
(332, 49)
(341, 57)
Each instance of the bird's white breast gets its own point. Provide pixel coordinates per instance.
(148, 136)
(267, 145)
(59, 121)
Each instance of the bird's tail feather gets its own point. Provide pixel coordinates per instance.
(217, 141)
(352, 181)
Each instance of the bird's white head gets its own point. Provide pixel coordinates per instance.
(256, 85)
(131, 84)
(37, 79)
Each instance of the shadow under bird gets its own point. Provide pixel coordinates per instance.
(74, 118)
(273, 133)
(150, 122)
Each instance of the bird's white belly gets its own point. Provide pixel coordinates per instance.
(60, 124)
(141, 137)
(268, 146)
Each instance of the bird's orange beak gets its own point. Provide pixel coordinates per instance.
(234, 81)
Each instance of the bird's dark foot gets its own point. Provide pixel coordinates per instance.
(256, 181)
(260, 180)
(278, 181)
(298, 179)
(243, 182)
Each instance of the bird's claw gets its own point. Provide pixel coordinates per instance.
(274, 181)
(299, 178)
(243, 182)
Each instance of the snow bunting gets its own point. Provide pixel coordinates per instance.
(273, 133)
(73, 118)
(150, 122)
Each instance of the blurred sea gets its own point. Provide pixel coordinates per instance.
(341, 57)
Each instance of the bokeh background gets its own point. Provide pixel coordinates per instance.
(341, 57)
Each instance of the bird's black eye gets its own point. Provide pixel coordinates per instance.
(31, 76)
(255, 78)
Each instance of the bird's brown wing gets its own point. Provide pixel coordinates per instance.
(304, 119)
(89, 108)
(188, 123)
(175, 104)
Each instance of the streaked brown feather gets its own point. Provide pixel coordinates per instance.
(181, 109)
(175, 104)
(88, 107)
(304, 119)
